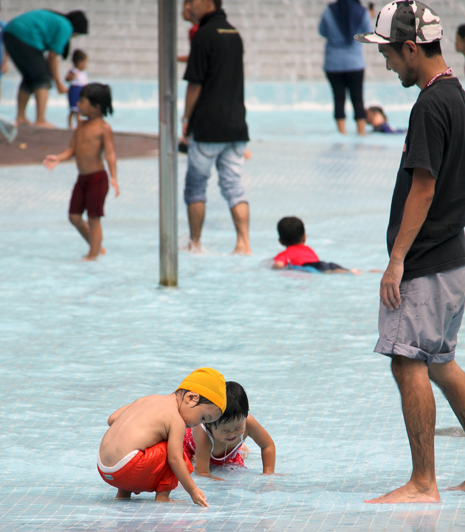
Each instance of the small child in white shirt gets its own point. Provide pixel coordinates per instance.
(77, 78)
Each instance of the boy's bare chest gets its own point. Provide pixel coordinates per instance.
(89, 134)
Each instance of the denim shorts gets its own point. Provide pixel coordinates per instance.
(426, 324)
(228, 158)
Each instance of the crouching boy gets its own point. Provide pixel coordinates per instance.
(143, 448)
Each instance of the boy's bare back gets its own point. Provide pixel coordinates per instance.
(89, 141)
(140, 425)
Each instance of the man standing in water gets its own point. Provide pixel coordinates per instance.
(214, 120)
(423, 288)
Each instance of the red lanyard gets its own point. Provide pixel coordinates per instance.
(447, 72)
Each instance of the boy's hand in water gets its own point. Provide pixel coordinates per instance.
(51, 161)
(198, 497)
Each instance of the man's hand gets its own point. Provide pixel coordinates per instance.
(198, 497)
(185, 125)
(51, 161)
(390, 282)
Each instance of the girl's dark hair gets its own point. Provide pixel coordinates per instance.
(79, 21)
(78, 55)
(461, 31)
(202, 400)
(291, 230)
(98, 94)
(237, 406)
(218, 4)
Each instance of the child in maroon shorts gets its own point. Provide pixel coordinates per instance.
(90, 138)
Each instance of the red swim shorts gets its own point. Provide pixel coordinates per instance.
(147, 471)
(89, 193)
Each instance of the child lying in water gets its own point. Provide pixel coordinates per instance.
(143, 448)
(291, 232)
(222, 442)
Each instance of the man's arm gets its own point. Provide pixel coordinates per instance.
(192, 95)
(415, 212)
(110, 156)
(53, 67)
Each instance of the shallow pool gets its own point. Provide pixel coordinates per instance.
(81, 339)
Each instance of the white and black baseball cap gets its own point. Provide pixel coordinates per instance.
(404, 20)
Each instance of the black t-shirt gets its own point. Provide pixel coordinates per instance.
(435, 141)
(215, 62)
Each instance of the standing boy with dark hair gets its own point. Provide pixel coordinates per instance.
(90, 138)
(423, 288)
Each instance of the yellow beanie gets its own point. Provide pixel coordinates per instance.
(209, 383)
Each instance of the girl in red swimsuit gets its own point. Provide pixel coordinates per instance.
(222, 443)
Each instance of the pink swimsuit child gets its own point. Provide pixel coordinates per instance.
(234, 457)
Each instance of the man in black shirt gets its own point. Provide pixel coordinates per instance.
(214, 120)
(423, 288)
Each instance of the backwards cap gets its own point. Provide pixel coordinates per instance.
(404, 20)
(209, 383)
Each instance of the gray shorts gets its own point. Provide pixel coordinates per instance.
(426, 324)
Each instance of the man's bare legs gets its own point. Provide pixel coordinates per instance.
(196, 217)
(22, 99)
(450, 378)
(163, 496)
(240, 216)
(91, 232)
(419, 410)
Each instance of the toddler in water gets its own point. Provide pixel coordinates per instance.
(221, 442)
(92, 136)
(291, 232)
(143, 448)
(77, 78)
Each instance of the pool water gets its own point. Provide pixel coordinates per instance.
(79, 340)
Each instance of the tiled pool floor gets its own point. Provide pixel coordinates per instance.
(79, 340)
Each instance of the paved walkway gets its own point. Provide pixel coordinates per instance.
(33, 144)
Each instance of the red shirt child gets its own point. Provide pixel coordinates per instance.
(296, 255)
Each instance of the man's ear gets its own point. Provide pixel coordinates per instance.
(410, 49)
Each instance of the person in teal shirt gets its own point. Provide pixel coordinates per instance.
(27, 37)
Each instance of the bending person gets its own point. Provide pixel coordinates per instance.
(344, 63)
(27, 37)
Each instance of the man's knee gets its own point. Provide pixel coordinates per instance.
(402, 366)
(441, 373)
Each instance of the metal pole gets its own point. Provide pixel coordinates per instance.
(168, 145)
